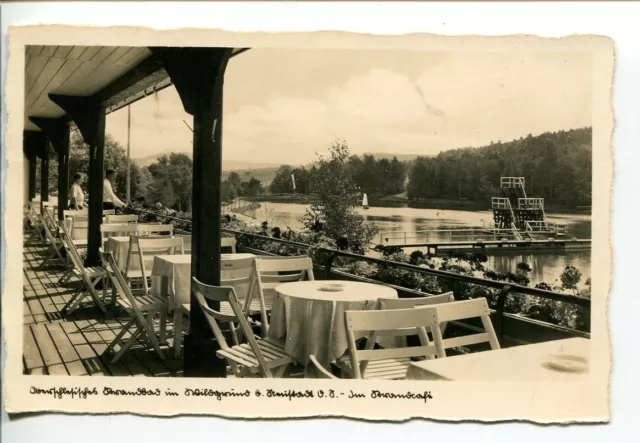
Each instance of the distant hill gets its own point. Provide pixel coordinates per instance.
(401, 157)
(227, 165)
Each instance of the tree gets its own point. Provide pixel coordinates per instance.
(173, 181)
(281, 183)
(115, 157)
(252, 187)
(333, 212)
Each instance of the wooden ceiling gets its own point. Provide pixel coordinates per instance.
(72, 70)
(86, 71)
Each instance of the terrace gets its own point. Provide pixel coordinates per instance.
(107, 295)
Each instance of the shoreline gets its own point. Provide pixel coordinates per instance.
(422, 204)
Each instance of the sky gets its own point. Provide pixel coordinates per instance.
(288, 105)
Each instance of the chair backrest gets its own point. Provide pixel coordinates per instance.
(73, 254)
(321, 370)
(108, 212)
(76, 212)
(376, 321)
(272, 272)
(119, 282)
(117, 230)
(461, 310)
(149, 229)
(407, 303)
(243, 274)
(229, 242)
(148, 248)
(186, 242)
(128, 218)
(205, 292)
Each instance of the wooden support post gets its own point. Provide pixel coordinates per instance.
(57, 131)
(29, 151)
(198, 75)
(35, 147)
(89, 116)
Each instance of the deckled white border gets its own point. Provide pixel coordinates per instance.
(504, 19)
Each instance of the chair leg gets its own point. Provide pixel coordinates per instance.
(145, 324)
(118, 338)
(73, 304)
(163, 325)
(177, 332)
(126, 346)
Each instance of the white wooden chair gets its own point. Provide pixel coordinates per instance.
(243, 275)
(151, 229)
(407, 303)
(456, 311)
(229, 242)
(258, 357)
(117, 230)
(36, 224)
(385, 364)
(52, 239)
(142, 311)
(321, 370)
(89, 278)
(149, 247)
(80, 250)
(127, 218)
(269, 274)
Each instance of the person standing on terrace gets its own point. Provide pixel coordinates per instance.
(77, 194)
(109, 199)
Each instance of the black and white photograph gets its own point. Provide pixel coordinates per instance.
(415, 217)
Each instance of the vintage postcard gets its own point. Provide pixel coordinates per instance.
(380, 227)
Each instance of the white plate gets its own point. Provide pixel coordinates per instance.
(568, 363)
(332, 287)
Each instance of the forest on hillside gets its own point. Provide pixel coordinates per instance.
(556, 166)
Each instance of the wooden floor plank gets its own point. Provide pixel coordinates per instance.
(68, 354)
(99, 346)
(87, 354)
(47, 348)
(30, 352)
(76, 344)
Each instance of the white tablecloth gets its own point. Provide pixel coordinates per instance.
(175, 270)
(312, 321)
(519, 363)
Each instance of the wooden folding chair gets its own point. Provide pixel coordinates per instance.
(142, 311)
(117, 230)
(321, 370)
(228, 242)
(257, 357)
(52, 240)
(155, 230)
(386, 364)
(88, 276)
(269, 274)
(149, 246)
(407, 303)
(460, 310)
(244, 274)
(36, 223)
(81, 251)
(127, 218)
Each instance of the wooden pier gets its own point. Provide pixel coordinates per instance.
(434, 248)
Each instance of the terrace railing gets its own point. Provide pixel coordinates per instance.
(325, 258)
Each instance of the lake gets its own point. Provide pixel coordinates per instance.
(395, 222)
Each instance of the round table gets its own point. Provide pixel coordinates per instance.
(311, 320)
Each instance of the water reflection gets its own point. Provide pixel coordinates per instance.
(395, 222)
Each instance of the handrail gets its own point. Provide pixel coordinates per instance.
(494, 284)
